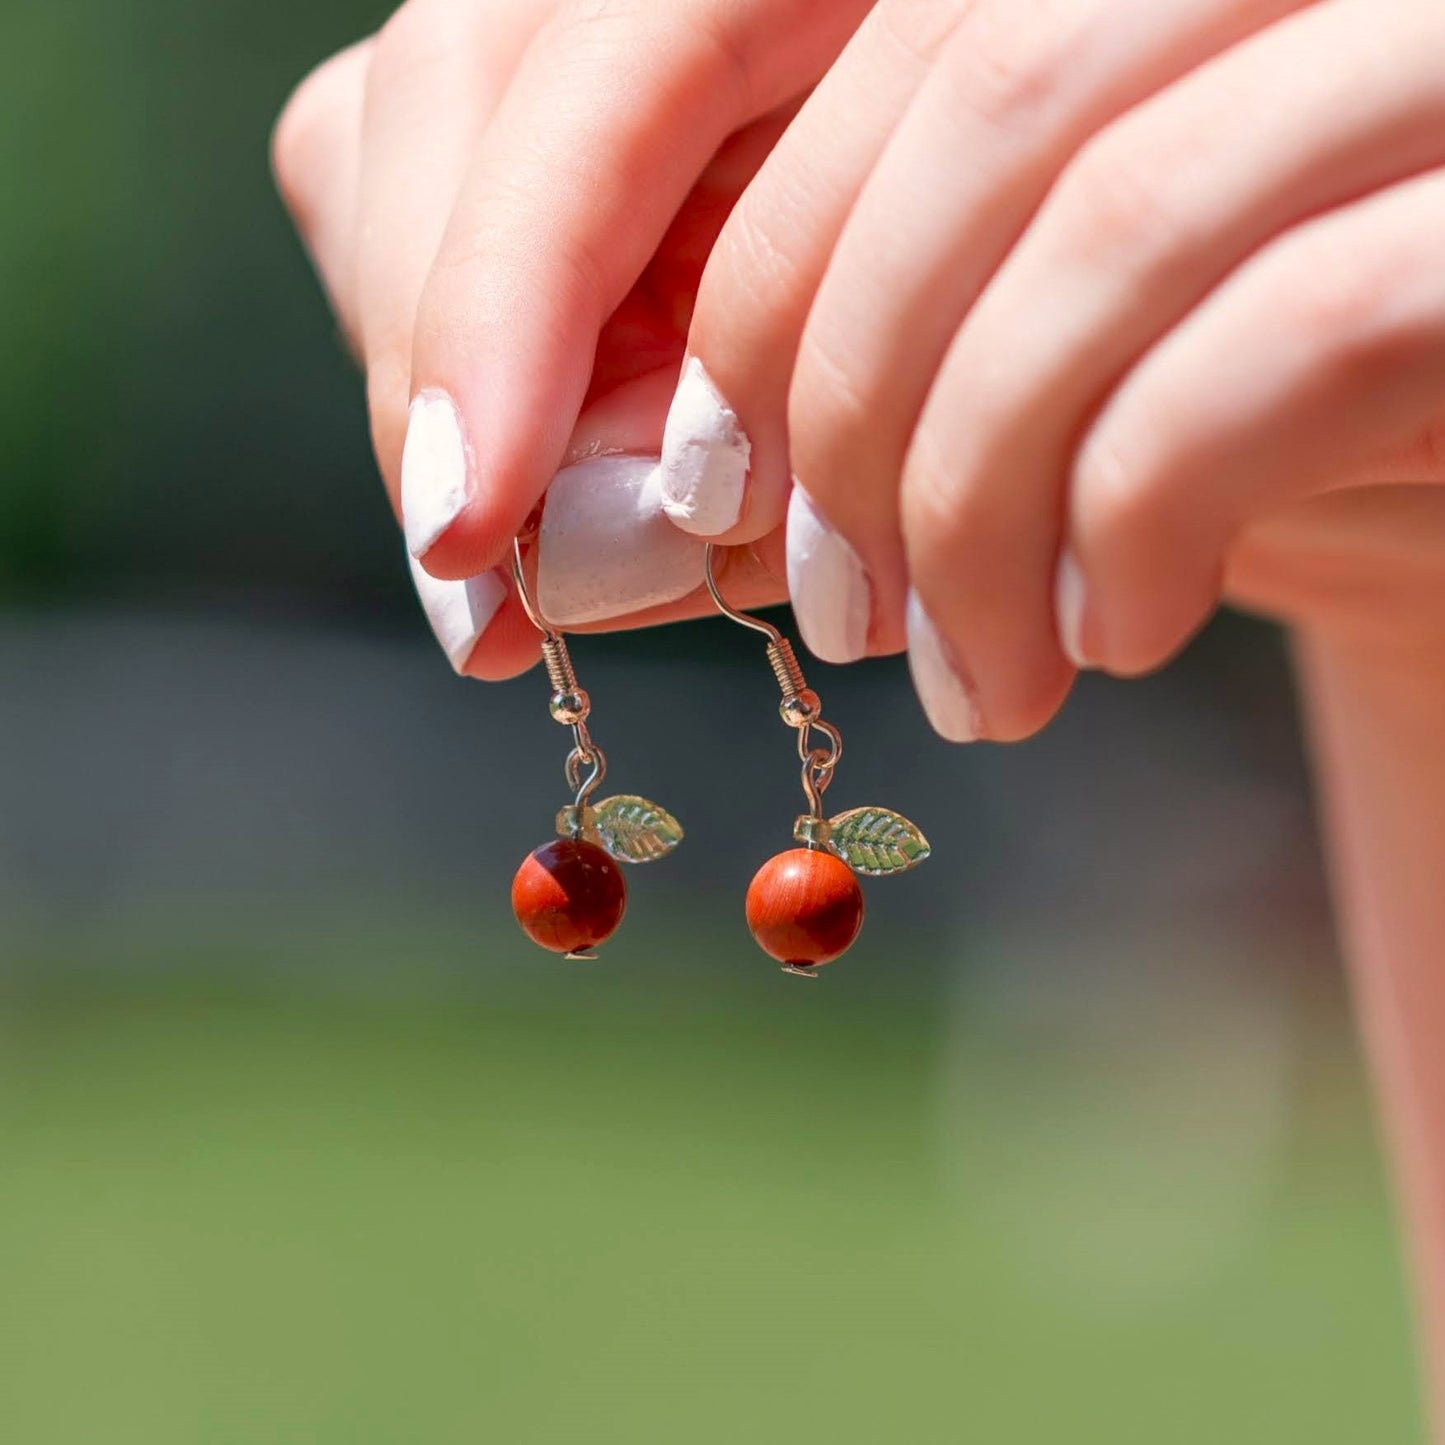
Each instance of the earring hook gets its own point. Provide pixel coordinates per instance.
(529, 605)
(569, 705)
(800, 708)
(743, 619)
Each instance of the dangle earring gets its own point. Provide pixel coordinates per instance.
(569, 895)
(804, 906)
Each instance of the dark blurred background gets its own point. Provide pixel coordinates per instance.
(301, 1141)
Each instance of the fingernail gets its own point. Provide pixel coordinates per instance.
(606, 548)
(434, 465)
(947, 697)
(459, 612)
(704, 457)
(831, 597)
(1069, 600)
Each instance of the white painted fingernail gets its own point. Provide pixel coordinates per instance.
(434, 465)
(1069, 597)
(831, 597)
(704, 457)
(946, 695)
(606, 548)
(459, 612)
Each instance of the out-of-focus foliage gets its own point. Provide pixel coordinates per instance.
(176, 414)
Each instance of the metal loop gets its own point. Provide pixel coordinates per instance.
(582, 787)
(832, 753)
(817, 774)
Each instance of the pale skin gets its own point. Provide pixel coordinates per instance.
(1150, 292)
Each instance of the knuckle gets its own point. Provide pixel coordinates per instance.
(1117, 198)
(729, 54)
(919, 29)
(316, 124)
(1009, 59)
(1339, 301)
(301, 132)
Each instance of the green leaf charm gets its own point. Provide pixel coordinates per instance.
(876, 841)
(632, 829)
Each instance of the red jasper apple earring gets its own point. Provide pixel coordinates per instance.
(569, 895)
(805, 906)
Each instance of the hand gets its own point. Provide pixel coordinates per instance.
(510, 205)
(1064, 315)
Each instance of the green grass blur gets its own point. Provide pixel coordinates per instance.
(586, 1206)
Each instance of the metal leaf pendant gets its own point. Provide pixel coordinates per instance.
(628, 828)
(876, 841)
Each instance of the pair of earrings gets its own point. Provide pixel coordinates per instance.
(804, 906)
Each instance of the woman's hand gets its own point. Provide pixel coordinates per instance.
(1062, 314)
(510, 203)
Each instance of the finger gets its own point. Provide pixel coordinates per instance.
(316, 159)
(435, 72)
(1017, 90)
(439, 69)
(1323, 353)
(611, 117)
(725, 454)
(1158, 208)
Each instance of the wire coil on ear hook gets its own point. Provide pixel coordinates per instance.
(804, 906)
(569, 895)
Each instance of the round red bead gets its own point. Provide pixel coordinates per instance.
(805, 907)
(569, 895)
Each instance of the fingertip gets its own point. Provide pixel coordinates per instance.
(1148, 640)
(948, 694)
(964, 707)
(510, 646)
(706, 457)
(460, 613)
(476, 540)
(830, 586)
(437, 466)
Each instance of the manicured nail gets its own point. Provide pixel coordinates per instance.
(459, 612)
(704, 457)
(1069, 600)
(606, 548)
(831, 597)
(947, 697)
(434, 466)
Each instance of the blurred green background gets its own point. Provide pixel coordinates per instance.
(300, 1141)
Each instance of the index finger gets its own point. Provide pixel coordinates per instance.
(610, 119)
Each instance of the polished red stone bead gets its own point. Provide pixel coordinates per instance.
(805, 907)
(569, 896)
